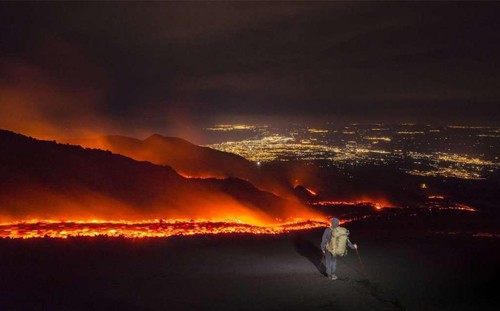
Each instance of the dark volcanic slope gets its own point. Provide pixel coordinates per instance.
(46, 179)
(194, 161)
(405, 267)
(183, 156)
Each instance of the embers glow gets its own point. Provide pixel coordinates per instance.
(199, 176)
(437, 203)
(155, 228)
(311, 192)
(378, 205)
(475, 234)
(486, 235)
(459, 207)
(436, 197)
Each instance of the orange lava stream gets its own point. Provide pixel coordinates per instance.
(434, 197)
(155, 228)
(459, 207)
(376, 205)
(311, 192)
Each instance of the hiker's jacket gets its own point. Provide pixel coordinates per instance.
(327, 235)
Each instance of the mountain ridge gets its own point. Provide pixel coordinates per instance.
(185, 157)
(49, 179)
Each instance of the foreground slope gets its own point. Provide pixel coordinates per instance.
(405, 267)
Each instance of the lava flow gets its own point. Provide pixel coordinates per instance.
(156, 228)
(375, 204)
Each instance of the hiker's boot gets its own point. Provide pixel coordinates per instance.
(333, 277)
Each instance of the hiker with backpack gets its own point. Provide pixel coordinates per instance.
(334, 243)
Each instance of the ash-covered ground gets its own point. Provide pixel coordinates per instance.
(437, 260)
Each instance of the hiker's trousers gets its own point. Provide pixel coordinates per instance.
(330, 263)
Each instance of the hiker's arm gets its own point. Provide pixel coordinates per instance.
(324, 239)
(351, 246)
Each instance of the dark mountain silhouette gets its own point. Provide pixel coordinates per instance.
(186, 158)
(191, 160)
(289, 179)
(47, 179)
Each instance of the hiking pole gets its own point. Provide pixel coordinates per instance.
(362, 271)
(359, 257)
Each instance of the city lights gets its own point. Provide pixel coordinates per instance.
(405, 145)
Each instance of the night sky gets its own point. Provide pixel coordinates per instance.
(144, 65)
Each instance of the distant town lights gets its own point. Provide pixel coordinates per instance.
(354, 146)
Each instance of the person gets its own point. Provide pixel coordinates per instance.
(330, 259)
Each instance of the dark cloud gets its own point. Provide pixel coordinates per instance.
(354, 60)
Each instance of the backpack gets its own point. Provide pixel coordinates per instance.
(338, 243)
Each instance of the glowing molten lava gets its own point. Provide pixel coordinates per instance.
(311, 192)
(436, 197)
(145, 229)
(456, 207)
(378, 205)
